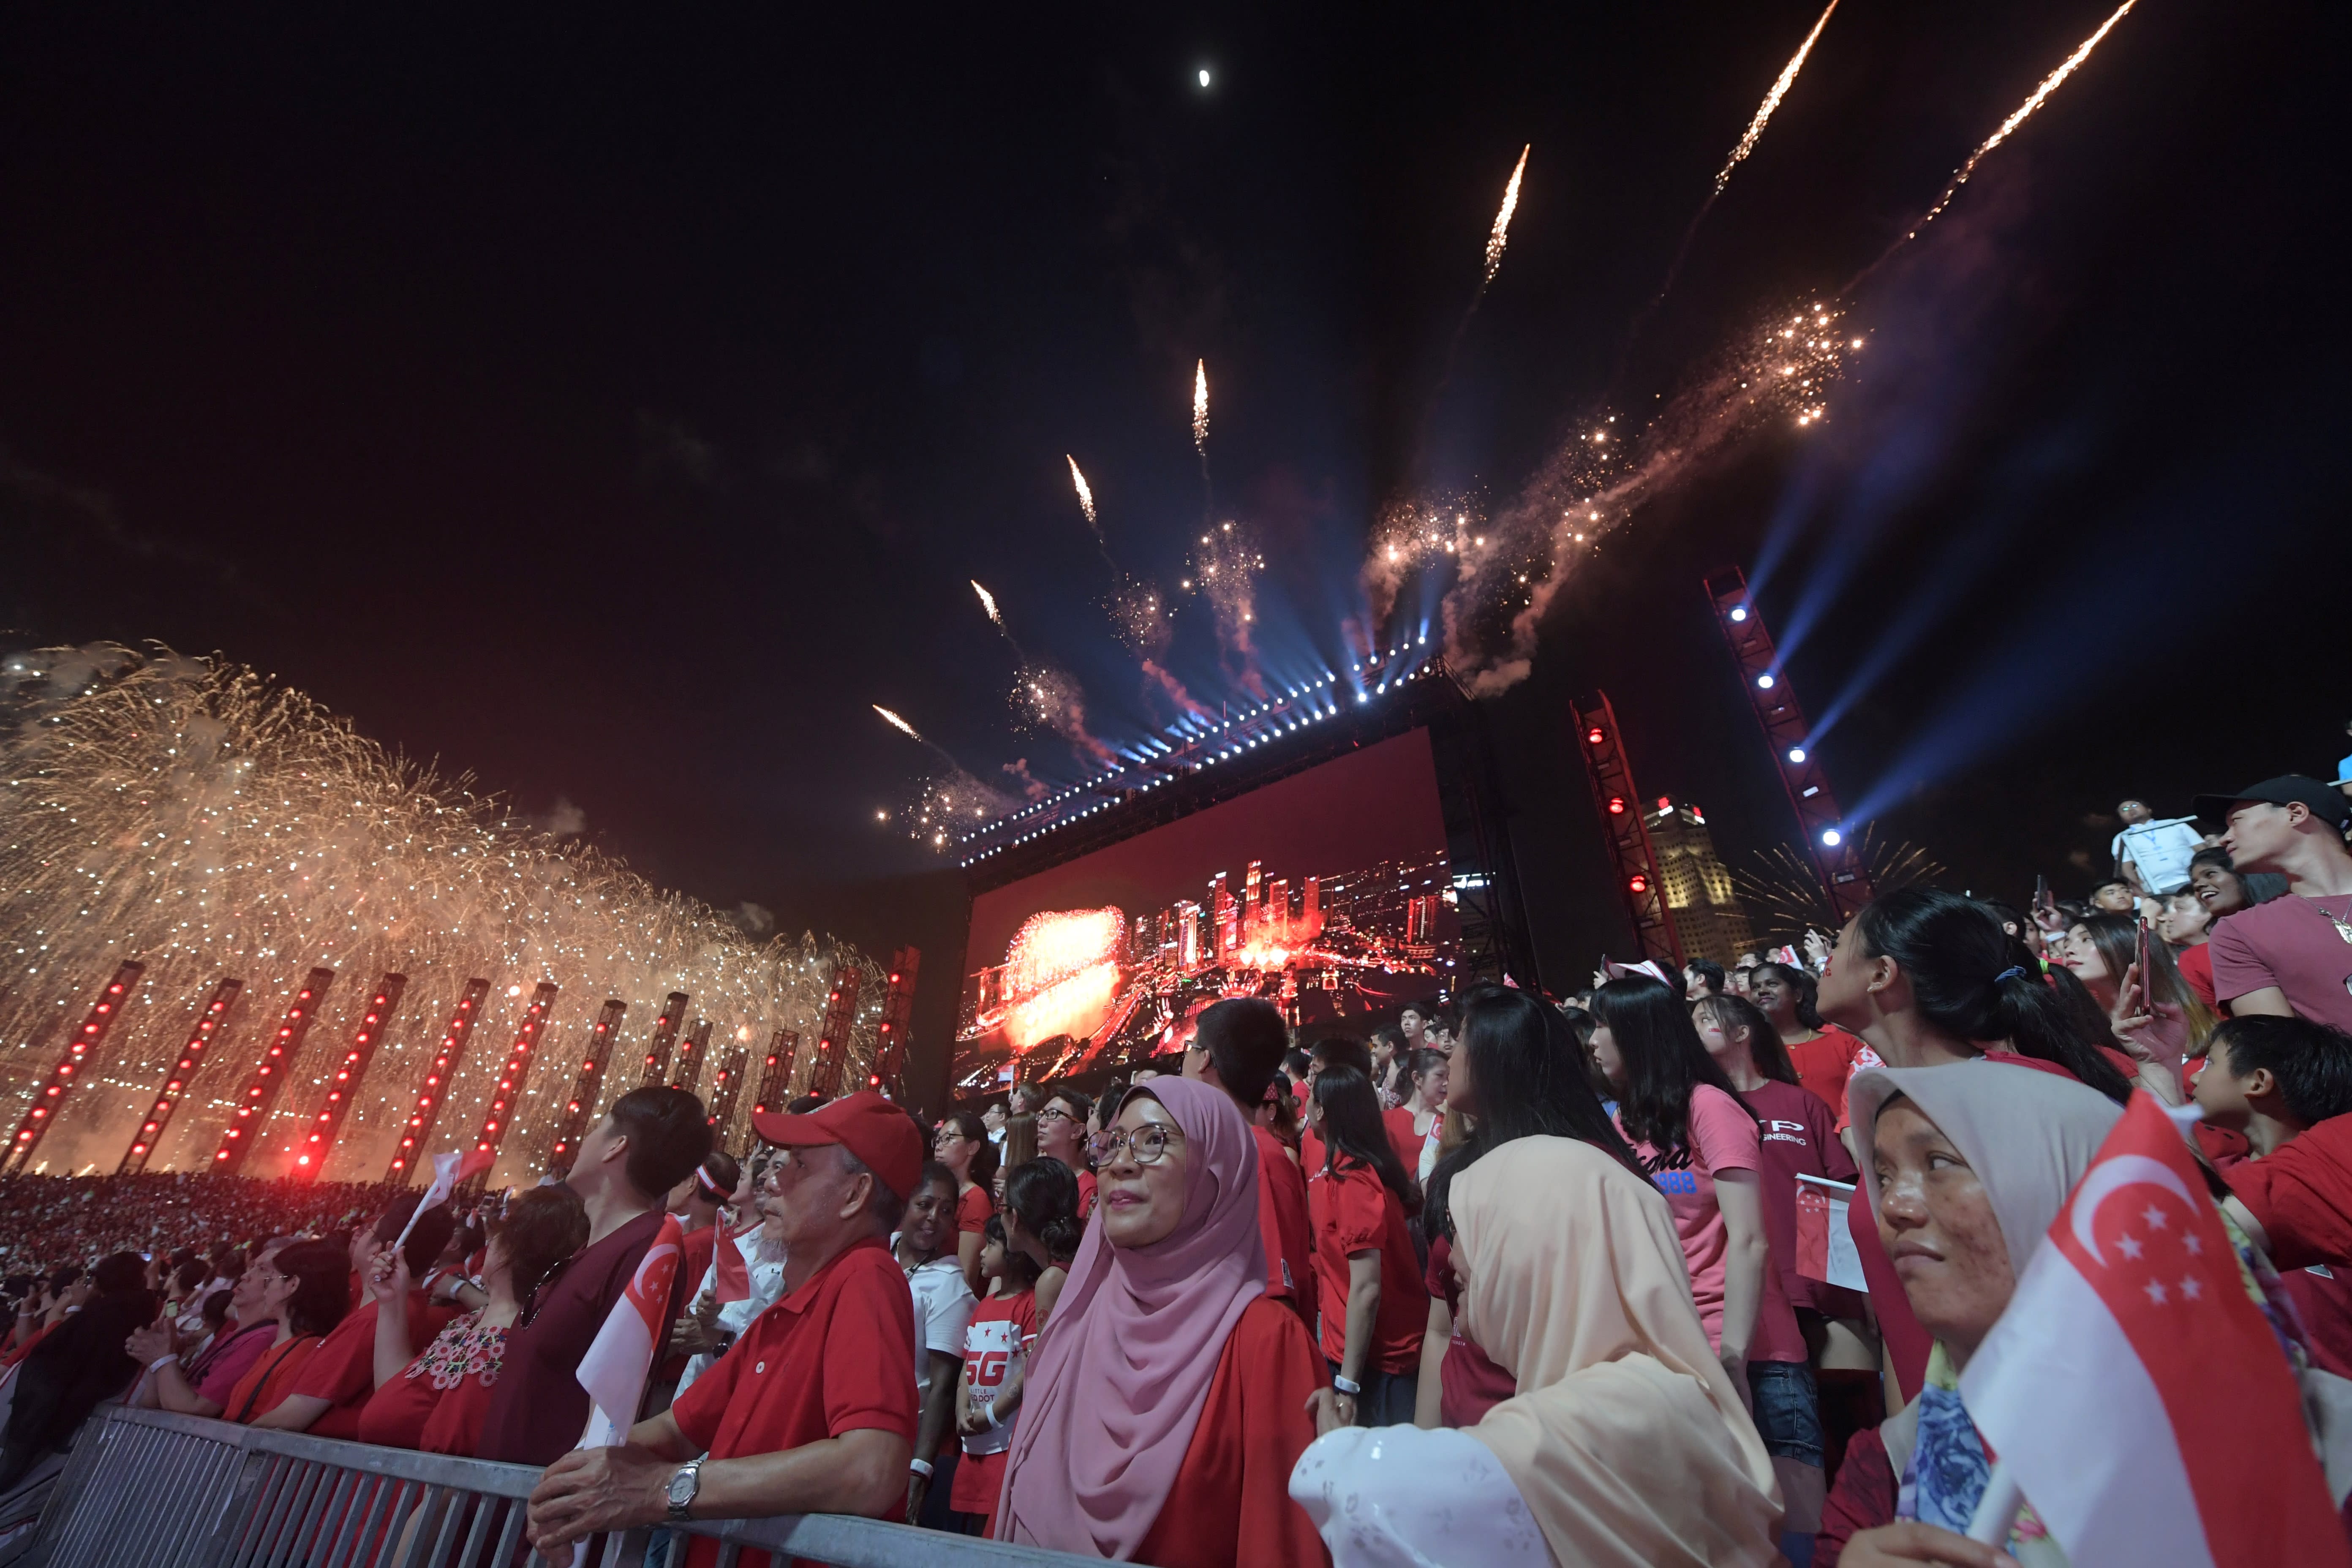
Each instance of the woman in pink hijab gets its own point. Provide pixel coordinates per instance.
(1168, 1397)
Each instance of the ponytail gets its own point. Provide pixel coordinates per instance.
(1972, 980)
(1044, 1193)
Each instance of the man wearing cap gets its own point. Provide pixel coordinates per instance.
(2291, 954)
(814, 1409)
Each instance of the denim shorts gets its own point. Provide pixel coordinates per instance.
(1787, 1410)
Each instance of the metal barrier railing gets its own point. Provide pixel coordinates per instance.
(147, 1488)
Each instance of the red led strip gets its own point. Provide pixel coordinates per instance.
(446, 1056)
(175, 1083)
(69, 1066)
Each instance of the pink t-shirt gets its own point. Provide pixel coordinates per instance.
(2291, 943)
(1723, 1137)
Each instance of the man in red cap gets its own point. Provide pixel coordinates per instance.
(812, 1410)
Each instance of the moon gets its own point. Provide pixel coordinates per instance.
(2109, 1175)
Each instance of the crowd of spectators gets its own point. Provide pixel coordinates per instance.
(1515, 1278)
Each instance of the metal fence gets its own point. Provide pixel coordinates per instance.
(147, 1488)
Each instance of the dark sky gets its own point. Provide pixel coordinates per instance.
(614, 402)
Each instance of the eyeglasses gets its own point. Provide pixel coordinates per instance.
(1147, 1144)
(1055, 1113)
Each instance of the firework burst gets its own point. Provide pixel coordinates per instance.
(189, 815)
(1782, 892)
(1779, 90)
(1501, 229)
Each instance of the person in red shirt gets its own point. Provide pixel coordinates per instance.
(997, 1342)
(1168, 1399)
(814, 1409)
(339, 1377)
(435, 1400)
(308, 1288)
(2274, 1080)
(961, 1145)
(2291, 954)
(1413, 1125)
(1821, 1053)
(1238, 1048)
(1334, 1052)
(2185, 925)
(1062, 1135)
(1375, 1307)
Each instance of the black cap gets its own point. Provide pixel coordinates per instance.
(2326, 801)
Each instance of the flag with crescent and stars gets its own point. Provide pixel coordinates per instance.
(2136, 1389)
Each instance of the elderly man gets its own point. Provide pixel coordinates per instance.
(814, 1409)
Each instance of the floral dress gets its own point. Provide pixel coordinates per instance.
(438, 1403)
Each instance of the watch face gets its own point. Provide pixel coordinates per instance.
(682, 1488)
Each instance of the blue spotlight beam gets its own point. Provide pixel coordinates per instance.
(1833, 845)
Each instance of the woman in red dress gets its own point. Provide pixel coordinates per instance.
(1168, 1398)
(436, 1401)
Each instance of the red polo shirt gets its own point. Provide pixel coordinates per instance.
(1355, 1211)
(1284, 1227)
(829, 1358)
(342, 1369)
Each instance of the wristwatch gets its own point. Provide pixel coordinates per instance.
(683, 1488)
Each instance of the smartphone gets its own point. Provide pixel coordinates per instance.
(2147, 985)
(2042, 898)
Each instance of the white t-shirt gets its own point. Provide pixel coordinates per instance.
(943, 1304)
(2161, 849)
(767, 1284)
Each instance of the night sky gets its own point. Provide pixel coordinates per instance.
(614, 404)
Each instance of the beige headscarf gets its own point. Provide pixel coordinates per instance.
(1626, 1438)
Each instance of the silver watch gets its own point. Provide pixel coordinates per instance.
(683, 1488)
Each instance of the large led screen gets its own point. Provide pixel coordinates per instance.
(1328, 893)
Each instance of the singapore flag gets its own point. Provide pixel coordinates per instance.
(2134, 1389)
(613, 1371)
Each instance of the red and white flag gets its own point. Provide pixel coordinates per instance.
(613, 1371)
(2134, 1391)
(732, 1276)
(448, 1170)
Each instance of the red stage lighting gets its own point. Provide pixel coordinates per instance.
(445, 1058)
(582, 1102)
(175, 1083)
(261, 1087)
(898, 1006)
(1639, 884)
(508, 1091)
(833, 1045)
(1595, 735)
(311, 1158)
(726, 1090)
(690, 1052)
(657, 1049)
(1616, 806)
(78, 1057)
(1611, 776)
(776, 1073)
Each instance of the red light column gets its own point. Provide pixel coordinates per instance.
(889, 1073)
(726, 1089)
(507, 1093)
(1619, 806)
(175, 1083)
(70, 1067)
(269, 1075)
(576, 1109)
(776, 1072)
(1835, 847)
(310, 1154)
(833, 1045)
(690, 1052)
(446, 1056)
(657, 1049)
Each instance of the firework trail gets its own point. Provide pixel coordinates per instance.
(1771, 101)
(988, 603)
(2033, 100)
(1201, 409)
(1746, 144)
(1086, 494)
(898, 723)
(1503, 220)
(189, 815)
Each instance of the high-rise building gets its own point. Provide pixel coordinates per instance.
(1697, 885)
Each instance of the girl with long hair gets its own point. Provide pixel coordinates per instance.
(961, 1145)
(1368, 1273)
(1412, 1126)
(1519, 1070)
(1704, 1150)
(1041, 1224)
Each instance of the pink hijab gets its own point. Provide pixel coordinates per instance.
(1120, 1376)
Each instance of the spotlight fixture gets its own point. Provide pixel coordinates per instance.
(1832, 837)
(1739, 612)
(1764, 681)
(1796, 753)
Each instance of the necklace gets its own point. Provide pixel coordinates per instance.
(2343, 928)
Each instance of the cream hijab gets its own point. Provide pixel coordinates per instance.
(1626, 1438)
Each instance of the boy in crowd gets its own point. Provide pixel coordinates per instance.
(2152, 855)
(2274, 1080)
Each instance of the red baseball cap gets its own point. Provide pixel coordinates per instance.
(881, 1134)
